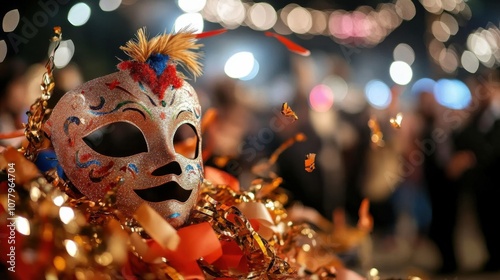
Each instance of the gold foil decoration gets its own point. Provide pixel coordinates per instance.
(288, 112)
(396, 121)
(39, 113)
(100, 236)
(309, 163)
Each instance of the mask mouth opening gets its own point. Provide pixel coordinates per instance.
(168, 191)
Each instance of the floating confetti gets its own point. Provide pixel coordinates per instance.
(210, 33)
(291, 46)
(288, 112)
(232, 232)
(396, 122)
(376, 134)
(365, 221)
(309, 163)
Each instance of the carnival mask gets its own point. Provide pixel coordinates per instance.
(136, 131)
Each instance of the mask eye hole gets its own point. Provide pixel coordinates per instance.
(186, 141)
(118, 139)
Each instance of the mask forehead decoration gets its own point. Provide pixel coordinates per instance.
(136, 130)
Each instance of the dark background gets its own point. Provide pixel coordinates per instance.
(97, 42)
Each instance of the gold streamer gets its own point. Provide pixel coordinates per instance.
(39, 112)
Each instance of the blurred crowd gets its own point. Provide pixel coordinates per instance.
(20, 87)
(417, 177)
(414, 178)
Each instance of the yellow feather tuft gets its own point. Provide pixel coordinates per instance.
(179, 47)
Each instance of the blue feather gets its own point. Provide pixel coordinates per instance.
(158, 62)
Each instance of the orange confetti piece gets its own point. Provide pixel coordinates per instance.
(365, 221)
(396, 122)
(288, 112)
(309, 163)
(211, 33)
(291, 46)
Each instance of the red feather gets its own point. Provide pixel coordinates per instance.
(211, 33)
(293, 47)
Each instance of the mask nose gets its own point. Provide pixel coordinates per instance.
(172, 167)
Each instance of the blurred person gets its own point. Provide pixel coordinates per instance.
(13, 99)
(475, 163)
(311, 189)
(410, 195)
(225, 137)
(434, 141)
(65, 79)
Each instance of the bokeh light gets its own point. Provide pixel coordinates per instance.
(191, 6)
(64, 53)
(400, 72)
(339, 87)
(373, 272)
(3, 50)
(484, 43)
(469, 61)
(23, 225)
(79, 14)
(109, 5)
(448, 60)
(432, 6)
(71, 247)
(59, 200)
(239, 65)
(193, 21)
(449, 23)
(66, 214)
(404, 52)
(378, 94)
(453, 94)
(262, 16)
(406, 9)
(10, 20)
(231, 13)
(321, 98)
(423, 85)
(299, 20)
(253, 73)
(320, 22)
(440, 31)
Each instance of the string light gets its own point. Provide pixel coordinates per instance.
(446, 18)
(10, 20)
(79, 14)
(363, 27)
